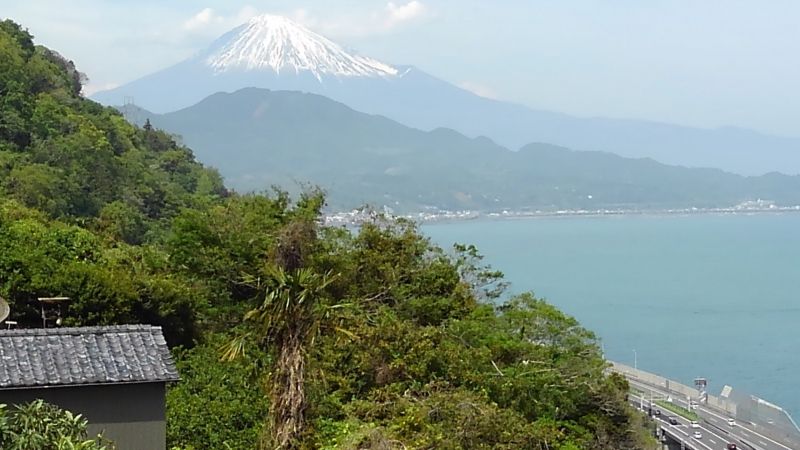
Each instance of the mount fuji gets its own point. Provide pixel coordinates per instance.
(275, 43)
(276, 53)
(268, 51)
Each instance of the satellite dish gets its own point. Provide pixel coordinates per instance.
(4, 309)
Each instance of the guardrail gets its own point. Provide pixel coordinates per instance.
(726, 405)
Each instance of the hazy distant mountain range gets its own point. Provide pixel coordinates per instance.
(258, 137)
(276, 53)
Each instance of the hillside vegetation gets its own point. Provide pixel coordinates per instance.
(287, 334)
(257, 137)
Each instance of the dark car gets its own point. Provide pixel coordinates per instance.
(657, 412)
(672, 421)
(732, 446)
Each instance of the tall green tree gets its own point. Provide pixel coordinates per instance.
(284, 323)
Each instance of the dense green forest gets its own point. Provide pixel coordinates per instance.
(257, 138)
(288, 334)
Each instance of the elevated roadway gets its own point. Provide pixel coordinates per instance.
(715, 434)
(714, 417)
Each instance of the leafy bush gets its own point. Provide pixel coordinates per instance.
(216, 405)
(41, 426)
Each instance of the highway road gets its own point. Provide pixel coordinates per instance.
(711, 439)
(717, 434)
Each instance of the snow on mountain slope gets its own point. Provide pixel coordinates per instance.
(280, 44)
(275, 53)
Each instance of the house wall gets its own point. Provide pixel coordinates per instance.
(131, 415)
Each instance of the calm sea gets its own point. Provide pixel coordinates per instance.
(687, 296)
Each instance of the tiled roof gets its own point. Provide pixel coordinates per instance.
(85, 355)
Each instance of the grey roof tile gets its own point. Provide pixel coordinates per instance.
(85, 355)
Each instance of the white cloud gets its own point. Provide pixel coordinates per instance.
(201, 20)
(478, 89)
(92, 88)
(302, 15)
(404, 13)
(207, 21)
(389, 18)
(246, 13)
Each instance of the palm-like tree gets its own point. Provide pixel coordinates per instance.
(286, 321)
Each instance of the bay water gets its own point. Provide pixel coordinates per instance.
(714, 296)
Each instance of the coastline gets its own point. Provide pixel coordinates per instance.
(356, 217)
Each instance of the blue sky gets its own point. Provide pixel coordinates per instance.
(705, 63)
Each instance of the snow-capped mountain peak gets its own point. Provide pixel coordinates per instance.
(269, 42)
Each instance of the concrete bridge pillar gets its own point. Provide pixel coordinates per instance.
(670, 443)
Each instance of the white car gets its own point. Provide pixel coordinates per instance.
(695, 424)
(731, 423)
(698, 435)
